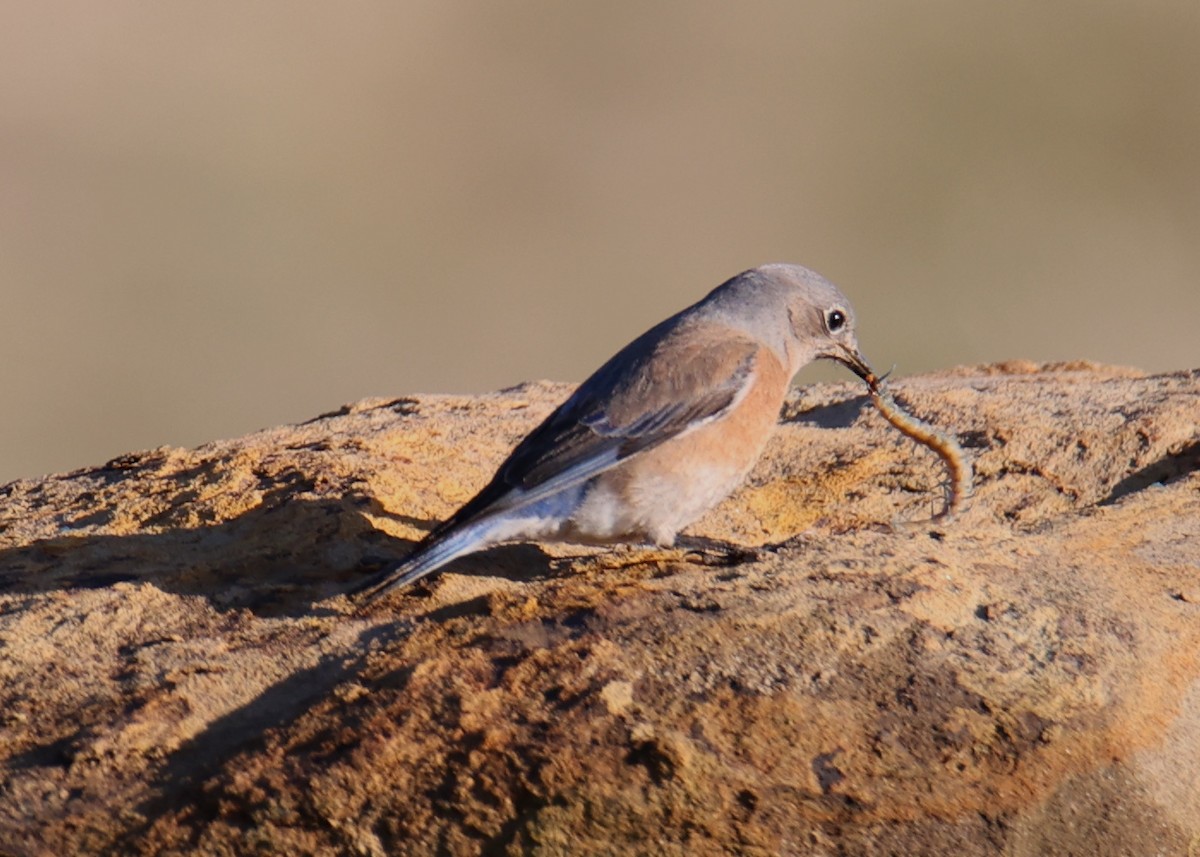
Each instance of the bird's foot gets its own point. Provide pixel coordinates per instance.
(717, 552)
(692, 550)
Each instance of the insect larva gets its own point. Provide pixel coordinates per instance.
(957, 463)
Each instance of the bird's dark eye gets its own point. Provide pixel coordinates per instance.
(835, 320)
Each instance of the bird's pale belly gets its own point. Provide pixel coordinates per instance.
(617, 509)
(653, 496)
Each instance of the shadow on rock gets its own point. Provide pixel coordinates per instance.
(276, 559)
(838, 415)
(1165, 469)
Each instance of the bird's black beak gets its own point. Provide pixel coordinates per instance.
(856, 363)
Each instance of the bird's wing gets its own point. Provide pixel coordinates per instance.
(647, 394)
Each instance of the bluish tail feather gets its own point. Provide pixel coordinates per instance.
(456, 538)
(425, 559)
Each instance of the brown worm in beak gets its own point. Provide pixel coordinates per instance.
(958, 465)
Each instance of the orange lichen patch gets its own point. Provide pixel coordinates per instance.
(789, 503)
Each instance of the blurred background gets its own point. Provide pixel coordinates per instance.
(220, 216)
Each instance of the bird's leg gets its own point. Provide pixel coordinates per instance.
(718, 552)
(696, 550)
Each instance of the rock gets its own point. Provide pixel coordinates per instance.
(182, 673)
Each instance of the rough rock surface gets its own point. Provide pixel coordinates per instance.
(181, 672)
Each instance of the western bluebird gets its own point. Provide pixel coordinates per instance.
(659, 434)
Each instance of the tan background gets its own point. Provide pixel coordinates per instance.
(219, 216)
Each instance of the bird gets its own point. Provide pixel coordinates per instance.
(660, 433)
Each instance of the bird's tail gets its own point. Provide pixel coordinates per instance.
(426, 558)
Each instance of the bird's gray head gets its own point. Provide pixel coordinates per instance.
(800, 313)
